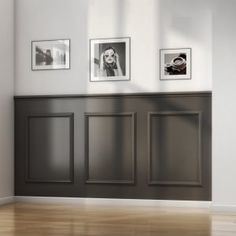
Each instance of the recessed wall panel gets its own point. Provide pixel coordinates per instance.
(49, 148)
(110, 148)
(175, 148)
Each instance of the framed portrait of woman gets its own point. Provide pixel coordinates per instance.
(110, 59)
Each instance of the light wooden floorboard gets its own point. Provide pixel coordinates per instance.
(24, 219)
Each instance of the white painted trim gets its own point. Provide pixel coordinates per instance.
(223, 208)
(123, 202)
(116, 202)
(6, 200)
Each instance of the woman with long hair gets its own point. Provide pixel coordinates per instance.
(109, 63)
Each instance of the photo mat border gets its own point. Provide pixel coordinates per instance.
(50, 40)
(113, 40)
(177, 49)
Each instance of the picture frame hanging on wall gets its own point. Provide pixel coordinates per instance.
(175, 64)
(110, 59)
(50, 54)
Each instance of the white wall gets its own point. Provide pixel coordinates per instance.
(6, 99)
(151, 24)
(224, 104)
(207, 26)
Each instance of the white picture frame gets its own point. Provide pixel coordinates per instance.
(50, 54)
(110, 59)
(175, 64)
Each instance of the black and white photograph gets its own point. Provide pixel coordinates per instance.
(175, 64)
(110, 59)
(50, 54)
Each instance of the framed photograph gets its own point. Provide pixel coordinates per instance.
(110, 59)
(175, 64)
(50, 54)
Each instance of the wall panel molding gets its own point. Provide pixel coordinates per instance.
(70, 154)
(118, 143)
(182, 114)
(129, 146)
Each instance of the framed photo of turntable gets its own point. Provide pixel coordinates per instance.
(175, 64)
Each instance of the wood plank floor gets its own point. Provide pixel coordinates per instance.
(64, 219)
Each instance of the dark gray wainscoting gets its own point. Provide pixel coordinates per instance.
(150, 146)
